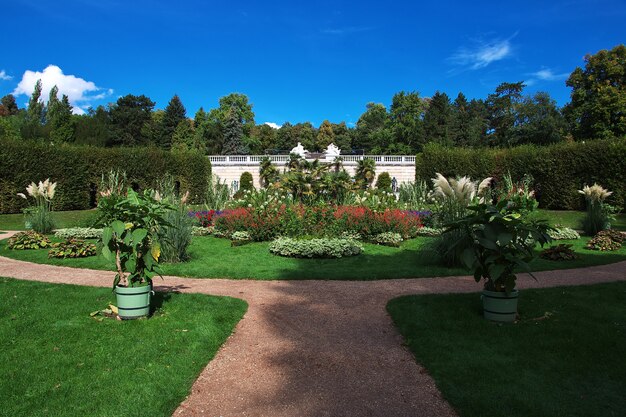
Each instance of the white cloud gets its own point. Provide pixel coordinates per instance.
(482, 54)
(79, 91)
(272, 125)
(4, 76)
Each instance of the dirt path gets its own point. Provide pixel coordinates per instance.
(313, 348)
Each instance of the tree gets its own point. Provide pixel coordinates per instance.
(183, 138)
(32, 127)
(305, 134)
(60, 120)
(539, 121)
(437, 120)
(502, 106)
(92, 128)
(285, 137)
(406, 116)
(8, 106)
(233, 135)
(242, 107)
(175, 113)
(325, 135)
(343, 137)
(598, 100)
(268, 173)
(128, 117)
(266, 135)
(369, 127)
(365, 172)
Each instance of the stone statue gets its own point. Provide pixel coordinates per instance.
(299, 150)
(332, 151)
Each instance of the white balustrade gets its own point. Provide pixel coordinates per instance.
(281, 159)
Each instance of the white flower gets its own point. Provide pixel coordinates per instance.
(22, 195)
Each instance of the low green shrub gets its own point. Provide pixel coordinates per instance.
(240, 236)
(383, 182)
(560, 252)
(315, 248)
(78, 233)
(388, 239)
(563, 233)
(28, 240)
(201, 231)
(606, 240)
(72, 248)
(429, 231)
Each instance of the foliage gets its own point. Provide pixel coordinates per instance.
(28, 240)
(217, 194)
(495, 242)
(246, 182)
(430, 231)
(558, 170)
(599, 214)
(127, 120)
(383, 182)
(414, 195)
(519, 194)
(365, 172)
(132, 240)
(563, 233)
(201, 231)
(72, 248)
(388, 239)
(78, 171)
(38, 217)
(315, 248)
(268, 173)
(78, 233)
(606, 240)
(175, 113)
(598, 95)
(561, 252)
(233, 134)
(240, 238)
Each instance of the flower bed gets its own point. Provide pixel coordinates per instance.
(266, 223)
(315, 248)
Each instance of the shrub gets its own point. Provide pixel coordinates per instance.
(240, 238)
(430, 231)
(388, 239)
(315, 248)
(606, 240)
(28, 240)
(78, 233)
(78, 170)
(383, 182)
(72, 248)
(558, 170)
(599, 214)
(563, 233)
(201, 231)
(560, 252)
(246, 182)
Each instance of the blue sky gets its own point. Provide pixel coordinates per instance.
(298, 62)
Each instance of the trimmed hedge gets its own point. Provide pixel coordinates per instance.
(558, 170)
(79, 169)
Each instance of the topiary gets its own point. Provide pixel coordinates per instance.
(28, 240)
(246, 182)
(383, 182)
(72, 248)
(315, 248)
(560, 252)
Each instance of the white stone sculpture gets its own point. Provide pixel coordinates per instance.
(332, 152)
(299, 150)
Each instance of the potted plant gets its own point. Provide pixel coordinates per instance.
(131, 241)
(497, 242)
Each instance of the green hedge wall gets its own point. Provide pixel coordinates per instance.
(558, 170)
(76, 169)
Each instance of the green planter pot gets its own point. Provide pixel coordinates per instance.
(133, 302)
(500, 306)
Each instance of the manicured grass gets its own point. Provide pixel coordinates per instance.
(63, 219)
(565, 357)
(215, 258)
(55, 360)
(573, 219)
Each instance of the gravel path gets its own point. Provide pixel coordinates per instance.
(314, 348)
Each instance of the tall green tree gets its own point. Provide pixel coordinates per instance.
(598, 100)
(539, 121)
(8, 106)
(242, 107)
(32, 128)
(370, 128)
(406, 115)
(285, 137)
(233, 135)
(266, 135)
(343, 137)
(305, 133)
(325, 135)
(503, 106)
(437, 120)
(184, 139)
(92, 128)
(175, 113)
(127, 118)
(60, 121)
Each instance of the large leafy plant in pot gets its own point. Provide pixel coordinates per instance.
(498, 241)
(131, 241)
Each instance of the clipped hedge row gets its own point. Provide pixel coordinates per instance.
(558, 170)
(78, 171)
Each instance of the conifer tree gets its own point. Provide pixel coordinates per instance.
(436, 123)
(233, 135)
(175, 113)
(325, 135)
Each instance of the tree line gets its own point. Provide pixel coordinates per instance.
(505, 118)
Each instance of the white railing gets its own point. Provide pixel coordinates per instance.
(282, 159)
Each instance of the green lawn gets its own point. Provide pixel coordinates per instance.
(58, 361)
(570, 363)
(63, 219)
(215, 258)
(573, 219)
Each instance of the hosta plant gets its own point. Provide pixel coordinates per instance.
(72, 248)
(560, 252)
(78, 233)
(28, 240)
(315, 248)
(498, 241)
(131, 241)
(388, 239)
(563, 233)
